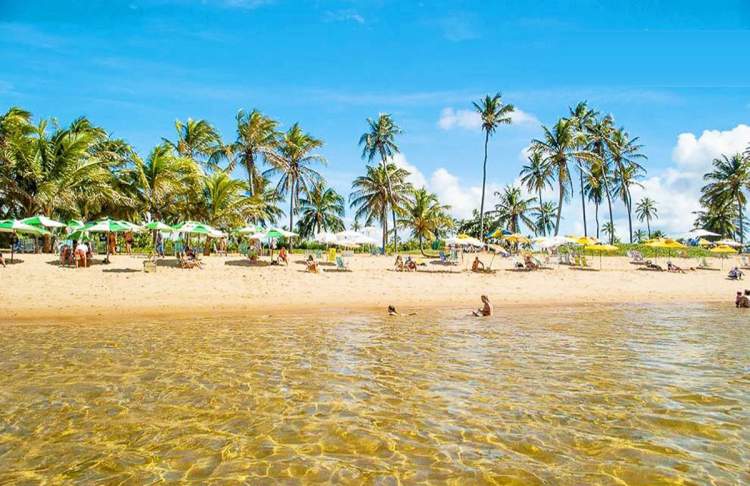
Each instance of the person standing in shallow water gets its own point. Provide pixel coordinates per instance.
(742, 301)
(486, 310)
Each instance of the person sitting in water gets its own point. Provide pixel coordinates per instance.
(742, 301)
(674, 268)
(312, 265)
(393, 312)
(735, 274)
(486, 310)
(283, 256)
(477, 265)
(399, 264)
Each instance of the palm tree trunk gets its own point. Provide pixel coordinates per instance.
(484, 183)
(291, 205)
(742, 236)
(385, 230)
(543, 228)
(630, 219)
(648, 226)
(561, 185)
(596, 214)
(611, 218)
(390, 196)
(421, 246)
(250, 170)
(583, 202)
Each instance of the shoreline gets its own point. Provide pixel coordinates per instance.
(37, 290)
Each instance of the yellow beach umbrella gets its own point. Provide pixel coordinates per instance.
(722, 250)
(585, 240)
(600, 249)
(517, 238)
(704, 242)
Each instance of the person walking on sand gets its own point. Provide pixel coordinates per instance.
(486, 310)
(129, 242)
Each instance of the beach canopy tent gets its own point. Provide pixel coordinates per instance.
(43, 221)
(15, 226)
(600, 248)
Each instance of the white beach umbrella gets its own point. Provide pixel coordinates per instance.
(729, 242)
(248, 230)
(364, 240)
(326, 238)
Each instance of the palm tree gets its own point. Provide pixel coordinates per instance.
(380, 140)
(291, 160)
(719, 217)
(609, 230)
(425, 216)
(544, 217)
(321, 209)
(265, 202)
(625, 153)
(594, 188)
(646, 210)
(640, 236)
(257, 135)
(196, 140)
(598, 135)
(513, 208)
(493, 113)
(537, 176)
(726, 182)
(557, 147)
(160, 180)
(582, 117)
(371, 194)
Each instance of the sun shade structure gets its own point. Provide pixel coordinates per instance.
(43, 221)
(723, 250)
(462, 240)
(585, 240)
(516, 238)
(600, 249)
(196, 228)
(15, 226)
(105, 226)
(158, 226)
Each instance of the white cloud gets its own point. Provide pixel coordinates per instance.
(462, 199)
(346, 15)
(696, 153)
(415, 175)
(524, 154)
(470, 119)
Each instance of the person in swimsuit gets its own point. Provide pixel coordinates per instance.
(486, 310)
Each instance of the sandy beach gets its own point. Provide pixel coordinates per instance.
(37, 288)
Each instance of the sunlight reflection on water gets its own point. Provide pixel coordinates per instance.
(611, 395)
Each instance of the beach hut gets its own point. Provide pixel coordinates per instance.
(15, 227)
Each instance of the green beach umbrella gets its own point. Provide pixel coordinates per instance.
(75, 224)
(158, 226)
(195, 228)
(43, 221)
(105, 226)
(15, 226)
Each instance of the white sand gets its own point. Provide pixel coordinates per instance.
(36, 287)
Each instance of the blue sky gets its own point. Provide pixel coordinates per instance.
(668, 71)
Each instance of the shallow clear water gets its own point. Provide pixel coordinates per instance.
(614, 395)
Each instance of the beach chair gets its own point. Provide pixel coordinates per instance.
(584, 262)
(341, 265)
(744, 262)
(703, 263)
(331, 255)
(318, 255)
(576, 261)
(636, 258)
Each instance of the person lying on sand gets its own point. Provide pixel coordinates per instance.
(486, 310)
(312, 265)
(674, 268)
(393, 312)
(653, 266)
(477, 264)
(742, 301)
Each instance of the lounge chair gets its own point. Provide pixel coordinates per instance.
(341, 265)
(745, 262)
(704, 265)
(636, 258)
(564, 259)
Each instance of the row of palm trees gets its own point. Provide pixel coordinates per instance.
(606, 158)
(724, 196)
(80, 171)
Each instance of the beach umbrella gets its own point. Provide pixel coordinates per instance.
(722, 251)
(107, 226)
(704, 242)
(248, 230)
(600, 249)
(43, 221)
(699, 233)
(194, 228)
(158, 226)
(15, 226)
(327, 238)
(517, 238)
(499, 233)
(729, 242)
(585, 240)
(74, 224)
